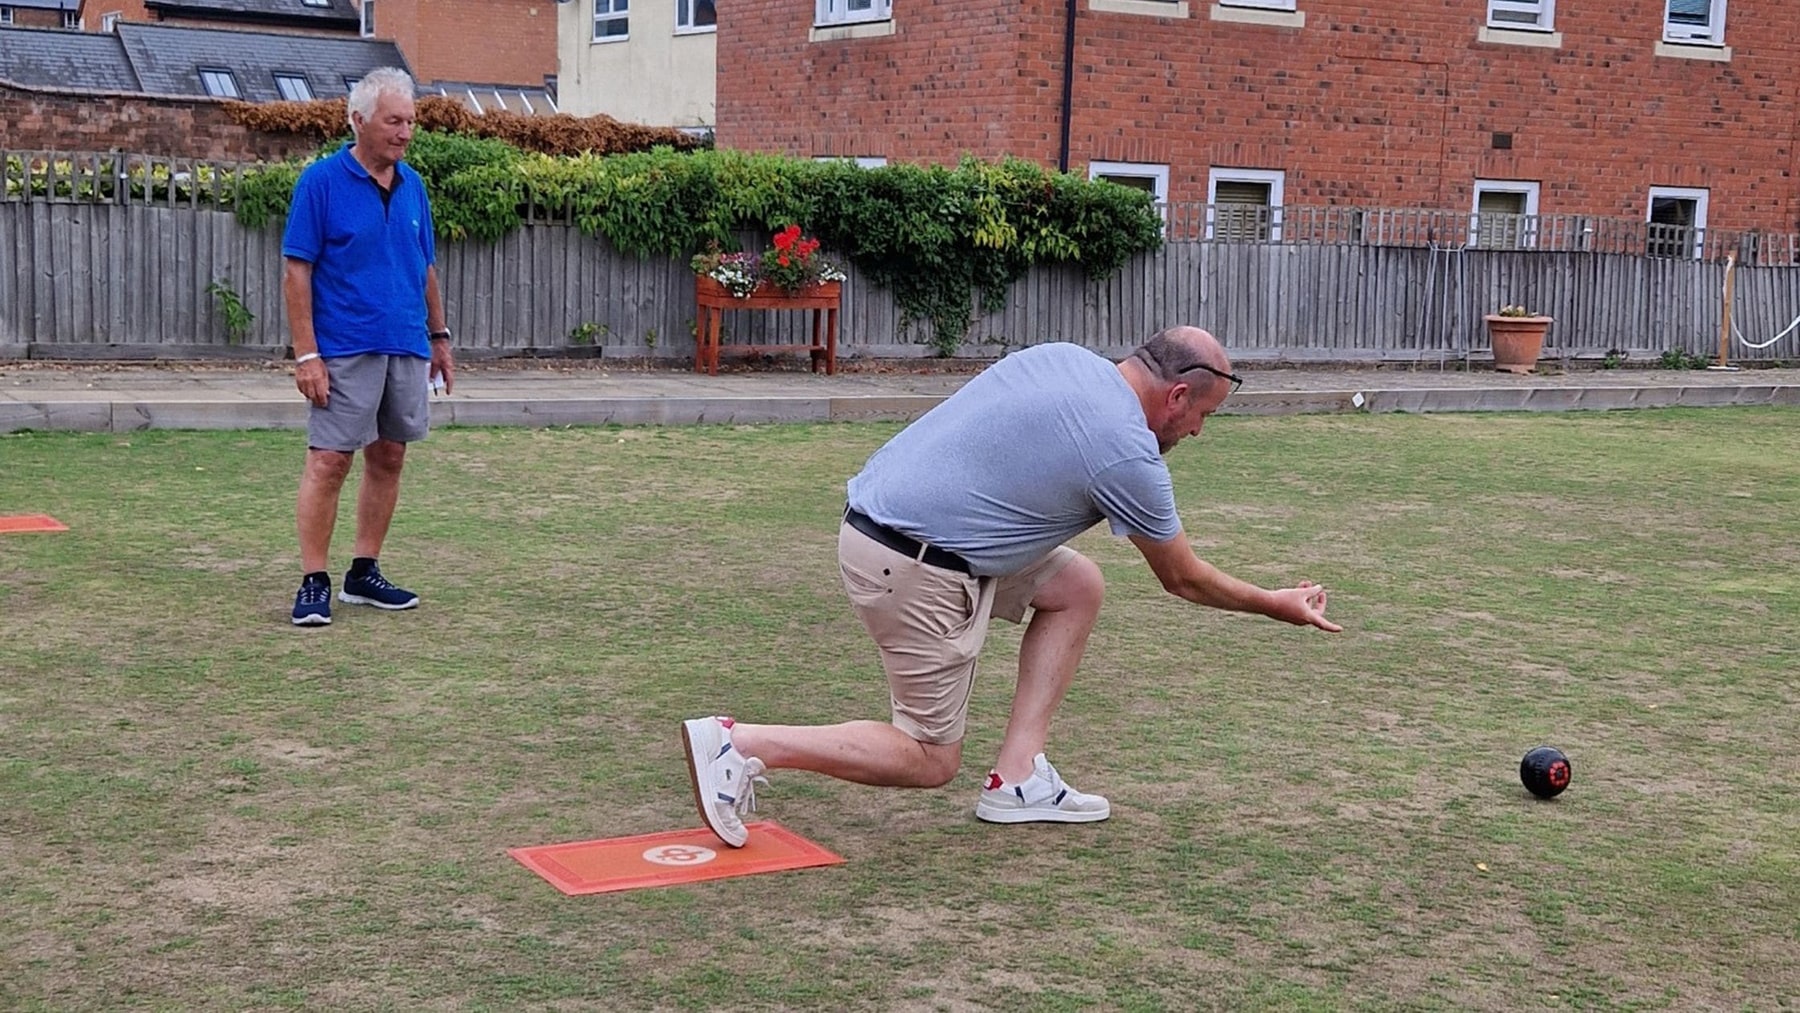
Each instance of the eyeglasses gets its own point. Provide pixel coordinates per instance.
(1236, 380)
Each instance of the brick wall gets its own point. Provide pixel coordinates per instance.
(33, 120)
(36, 17)
(1396, 109)
(480, 41)
(92, 11)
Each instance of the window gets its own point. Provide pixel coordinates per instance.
(612, 20)
(316, 3)
(108, 22)
(368, 19)
(71, 20)
(1699, 22)
(1505, 216)
(1269, 5)
(1244, 205)
(696, 16)
(1677, 222)
(845, 12)
(219, 83)
(1525, 15)
(6, 16)
(1152, 179)
(293, 87)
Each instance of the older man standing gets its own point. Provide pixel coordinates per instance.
(962, 517)
(367, 325)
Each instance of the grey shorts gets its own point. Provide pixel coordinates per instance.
(372, 396)
(930, 624)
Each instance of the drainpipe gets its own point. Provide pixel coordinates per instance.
(1068, 94)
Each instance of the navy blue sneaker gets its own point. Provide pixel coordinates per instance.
(370, 588)
(312, 606)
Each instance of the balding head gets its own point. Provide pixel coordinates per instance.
(1173, 353)
(1181, 375)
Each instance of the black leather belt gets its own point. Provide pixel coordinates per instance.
(930, 555)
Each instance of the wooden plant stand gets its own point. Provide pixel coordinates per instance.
(712, 299)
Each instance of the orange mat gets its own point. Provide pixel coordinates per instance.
(665, 859)
(30, 522)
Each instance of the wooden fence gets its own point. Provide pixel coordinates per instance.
(79, 278)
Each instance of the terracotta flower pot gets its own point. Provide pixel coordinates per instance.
(1518, 341)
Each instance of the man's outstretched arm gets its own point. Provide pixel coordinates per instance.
(1187, 576)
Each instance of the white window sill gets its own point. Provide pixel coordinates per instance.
(1520, 37)
(1142, 8)
(609, 39)
(703, 30)
(859, 30)
(1254, 16)
(1694, 51)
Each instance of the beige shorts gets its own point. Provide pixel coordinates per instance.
(930, 624)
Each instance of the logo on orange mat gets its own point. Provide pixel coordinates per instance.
(680, 854)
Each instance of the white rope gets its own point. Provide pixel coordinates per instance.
(1740, 334)
(1771, 341)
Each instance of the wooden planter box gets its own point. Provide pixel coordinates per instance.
(712, 299)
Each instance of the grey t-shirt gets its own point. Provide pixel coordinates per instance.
(1034, 450)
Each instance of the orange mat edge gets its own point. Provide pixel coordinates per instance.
(30, 522)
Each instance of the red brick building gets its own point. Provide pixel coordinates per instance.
(42, 14)
(508, 42)
(1681, 111)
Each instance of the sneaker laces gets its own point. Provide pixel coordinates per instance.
(752, 776)
(374, 579)
(314, 593)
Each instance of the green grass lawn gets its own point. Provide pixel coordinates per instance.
(202, 807)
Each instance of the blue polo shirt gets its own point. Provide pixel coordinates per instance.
(369, 256)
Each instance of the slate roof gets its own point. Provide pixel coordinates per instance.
(52, 58)
(167, 60)
(338, 14)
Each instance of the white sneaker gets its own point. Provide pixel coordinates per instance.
(1041, 798)
(724, 779)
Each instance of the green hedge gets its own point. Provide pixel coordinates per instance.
(936, 236)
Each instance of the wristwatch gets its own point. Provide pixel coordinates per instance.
(443, 335)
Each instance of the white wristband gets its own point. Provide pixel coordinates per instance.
(308, 357)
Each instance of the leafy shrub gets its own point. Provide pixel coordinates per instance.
(941, 238)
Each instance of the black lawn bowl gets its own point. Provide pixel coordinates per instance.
(1545, 771)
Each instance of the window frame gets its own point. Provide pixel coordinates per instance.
(286, 76)
(109, 22)
(1527, 238)
(1543, 11)
(365, 19)
(223, 75)
(1158, 175)
(71, 20)
(1275, 179)
(1701, 196)
(1687, 35)
(827, 13)
(687, 27)
(610, 12)
(6, 14)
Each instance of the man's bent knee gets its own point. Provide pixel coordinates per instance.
(940, 763)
